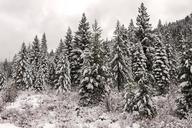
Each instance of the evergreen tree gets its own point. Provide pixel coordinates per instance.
(131, 32)
(35, 53)
(68, 43)
(119, 63)
(139, 95)
(83, 35)
(35, 60)
(138, 62)
(144, 27)
(92, 88)
(44, 58)
(50, 76)
(13, 65)
(62, 73)
(173, 62)
(96, 43)
(2, 80)
(21, 74)
(138, 99)
(159, 25)
(143, 34)
(51, 54)
(81, 41)
(106, 50)
(7, 69)
(160, 68)
(185, 78)
(59, 51)
(44, 46)
(106, 56)
(38, 84)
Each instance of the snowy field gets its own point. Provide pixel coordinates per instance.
(48, 110)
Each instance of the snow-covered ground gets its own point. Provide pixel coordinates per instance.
(8, 125)
(48, 110)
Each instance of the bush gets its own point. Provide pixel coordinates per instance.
(113, 101)
(10, 93)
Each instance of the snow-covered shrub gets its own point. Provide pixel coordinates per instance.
(10, 93)
(113, 101)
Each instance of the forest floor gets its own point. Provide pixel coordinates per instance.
(49, 110)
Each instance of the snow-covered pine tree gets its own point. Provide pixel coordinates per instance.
(143, 34)
(96, 43)
(51, 54)
(159, 27)
(173, 63)
(6, 69)
(50, 76)
(81, 41)
(13, 65)
(106, 56)
(59, 51)
(139, 98)
(131, 32)
(138, 62)
(44, 58)
(62, 73)
(138, 95)
(92, 88)
(44, 45)
(38, 84)
(119, 64)
(2, 80)
(144, 27)
(185, 78)
(160, 68)
(21, 74)
(28, 49)
(35, 61)
(68, 43)
(172, 55)
(106, 50)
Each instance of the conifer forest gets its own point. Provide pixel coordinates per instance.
(139, 78)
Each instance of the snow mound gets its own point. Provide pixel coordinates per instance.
(7, 125)
(24, 100)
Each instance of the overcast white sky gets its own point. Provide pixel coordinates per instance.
(21, 20)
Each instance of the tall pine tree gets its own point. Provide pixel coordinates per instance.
(143, 34)
(62, 73)
(138, 62)
(131, 32)
(139, 96)
(92, 88)
(35, 60)
(119, 63)
(185, 79)
(80, 43)
(68, 43)
(22, 76)
(160, 68)
(44, 59)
